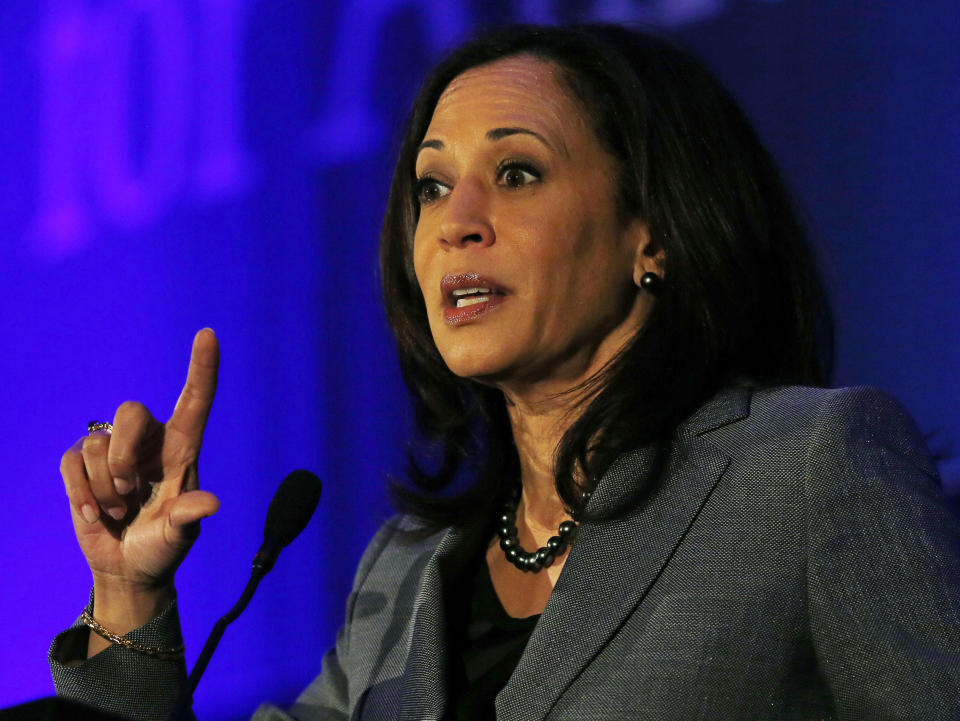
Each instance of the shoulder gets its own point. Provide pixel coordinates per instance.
(810, 412)
(395, 547)
(854, 421)
(802, 432)
(808, 404)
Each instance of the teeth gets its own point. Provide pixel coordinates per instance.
(464, 302)
(469, 291)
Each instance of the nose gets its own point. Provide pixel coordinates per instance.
(466, 218)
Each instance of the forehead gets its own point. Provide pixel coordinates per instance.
(516, 91)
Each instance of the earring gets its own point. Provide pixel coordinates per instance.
(651, 282)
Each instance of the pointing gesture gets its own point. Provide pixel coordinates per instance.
(135, 499)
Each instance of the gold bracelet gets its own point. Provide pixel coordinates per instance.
(165, 654)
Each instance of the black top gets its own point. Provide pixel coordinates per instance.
(482, 658)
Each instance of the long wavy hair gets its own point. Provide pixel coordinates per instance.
(741, 300)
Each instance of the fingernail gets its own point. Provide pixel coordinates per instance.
(89, 513)
(117, 512)
(123, 486)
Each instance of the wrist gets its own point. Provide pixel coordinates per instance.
(122, 606)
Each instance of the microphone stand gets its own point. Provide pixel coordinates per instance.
(290, 511)
(185, 701)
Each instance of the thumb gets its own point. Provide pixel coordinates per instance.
(190, 507)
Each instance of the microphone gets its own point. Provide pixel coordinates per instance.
(290, 510)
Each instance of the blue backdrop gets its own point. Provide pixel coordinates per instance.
(171, 164)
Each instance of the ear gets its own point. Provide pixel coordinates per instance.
(649, 256)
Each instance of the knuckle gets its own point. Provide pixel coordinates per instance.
(130, 410)
(95, 444)
(73, 454)
(68, 459)
(71, 461)
(118, 458)
(120, 467)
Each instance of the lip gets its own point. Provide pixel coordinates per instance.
(458, 316)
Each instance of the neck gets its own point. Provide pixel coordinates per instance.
(542, 410)
(538, 426)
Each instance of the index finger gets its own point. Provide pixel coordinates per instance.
(193, 407)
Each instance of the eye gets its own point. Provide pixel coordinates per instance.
(429, 189)
(517, 174)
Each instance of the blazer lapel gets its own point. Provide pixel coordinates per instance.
(613, 564)
(423, 694)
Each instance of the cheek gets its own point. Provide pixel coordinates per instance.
(420, 264)
(588, 278)
(569, 256)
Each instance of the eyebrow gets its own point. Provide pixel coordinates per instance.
(500, 133)
(493, 136)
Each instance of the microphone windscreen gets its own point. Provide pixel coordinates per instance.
(292, 506)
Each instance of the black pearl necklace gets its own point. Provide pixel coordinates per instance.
(526, 560)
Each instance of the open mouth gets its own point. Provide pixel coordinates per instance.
(467, 296)
(462, 297)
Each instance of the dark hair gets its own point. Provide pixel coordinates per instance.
(741, 299)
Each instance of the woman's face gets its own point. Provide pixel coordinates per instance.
(527, 271)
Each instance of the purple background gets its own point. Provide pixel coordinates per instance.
(171, 164)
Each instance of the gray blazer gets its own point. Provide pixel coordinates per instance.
(797, 562)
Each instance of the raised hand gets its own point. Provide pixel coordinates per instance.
(135, 498)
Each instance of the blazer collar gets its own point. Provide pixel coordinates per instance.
(728, 406)
(423, 695)
(613, 564)
(588, 604)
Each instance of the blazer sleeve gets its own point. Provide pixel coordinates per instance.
(331, 695)
(124, 682)
(143, 688)
(883, 563)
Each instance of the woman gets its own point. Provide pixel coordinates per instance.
(623, 507)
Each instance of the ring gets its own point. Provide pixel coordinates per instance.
(94, 426)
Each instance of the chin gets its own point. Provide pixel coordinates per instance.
(472, 368)
(466, 360)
